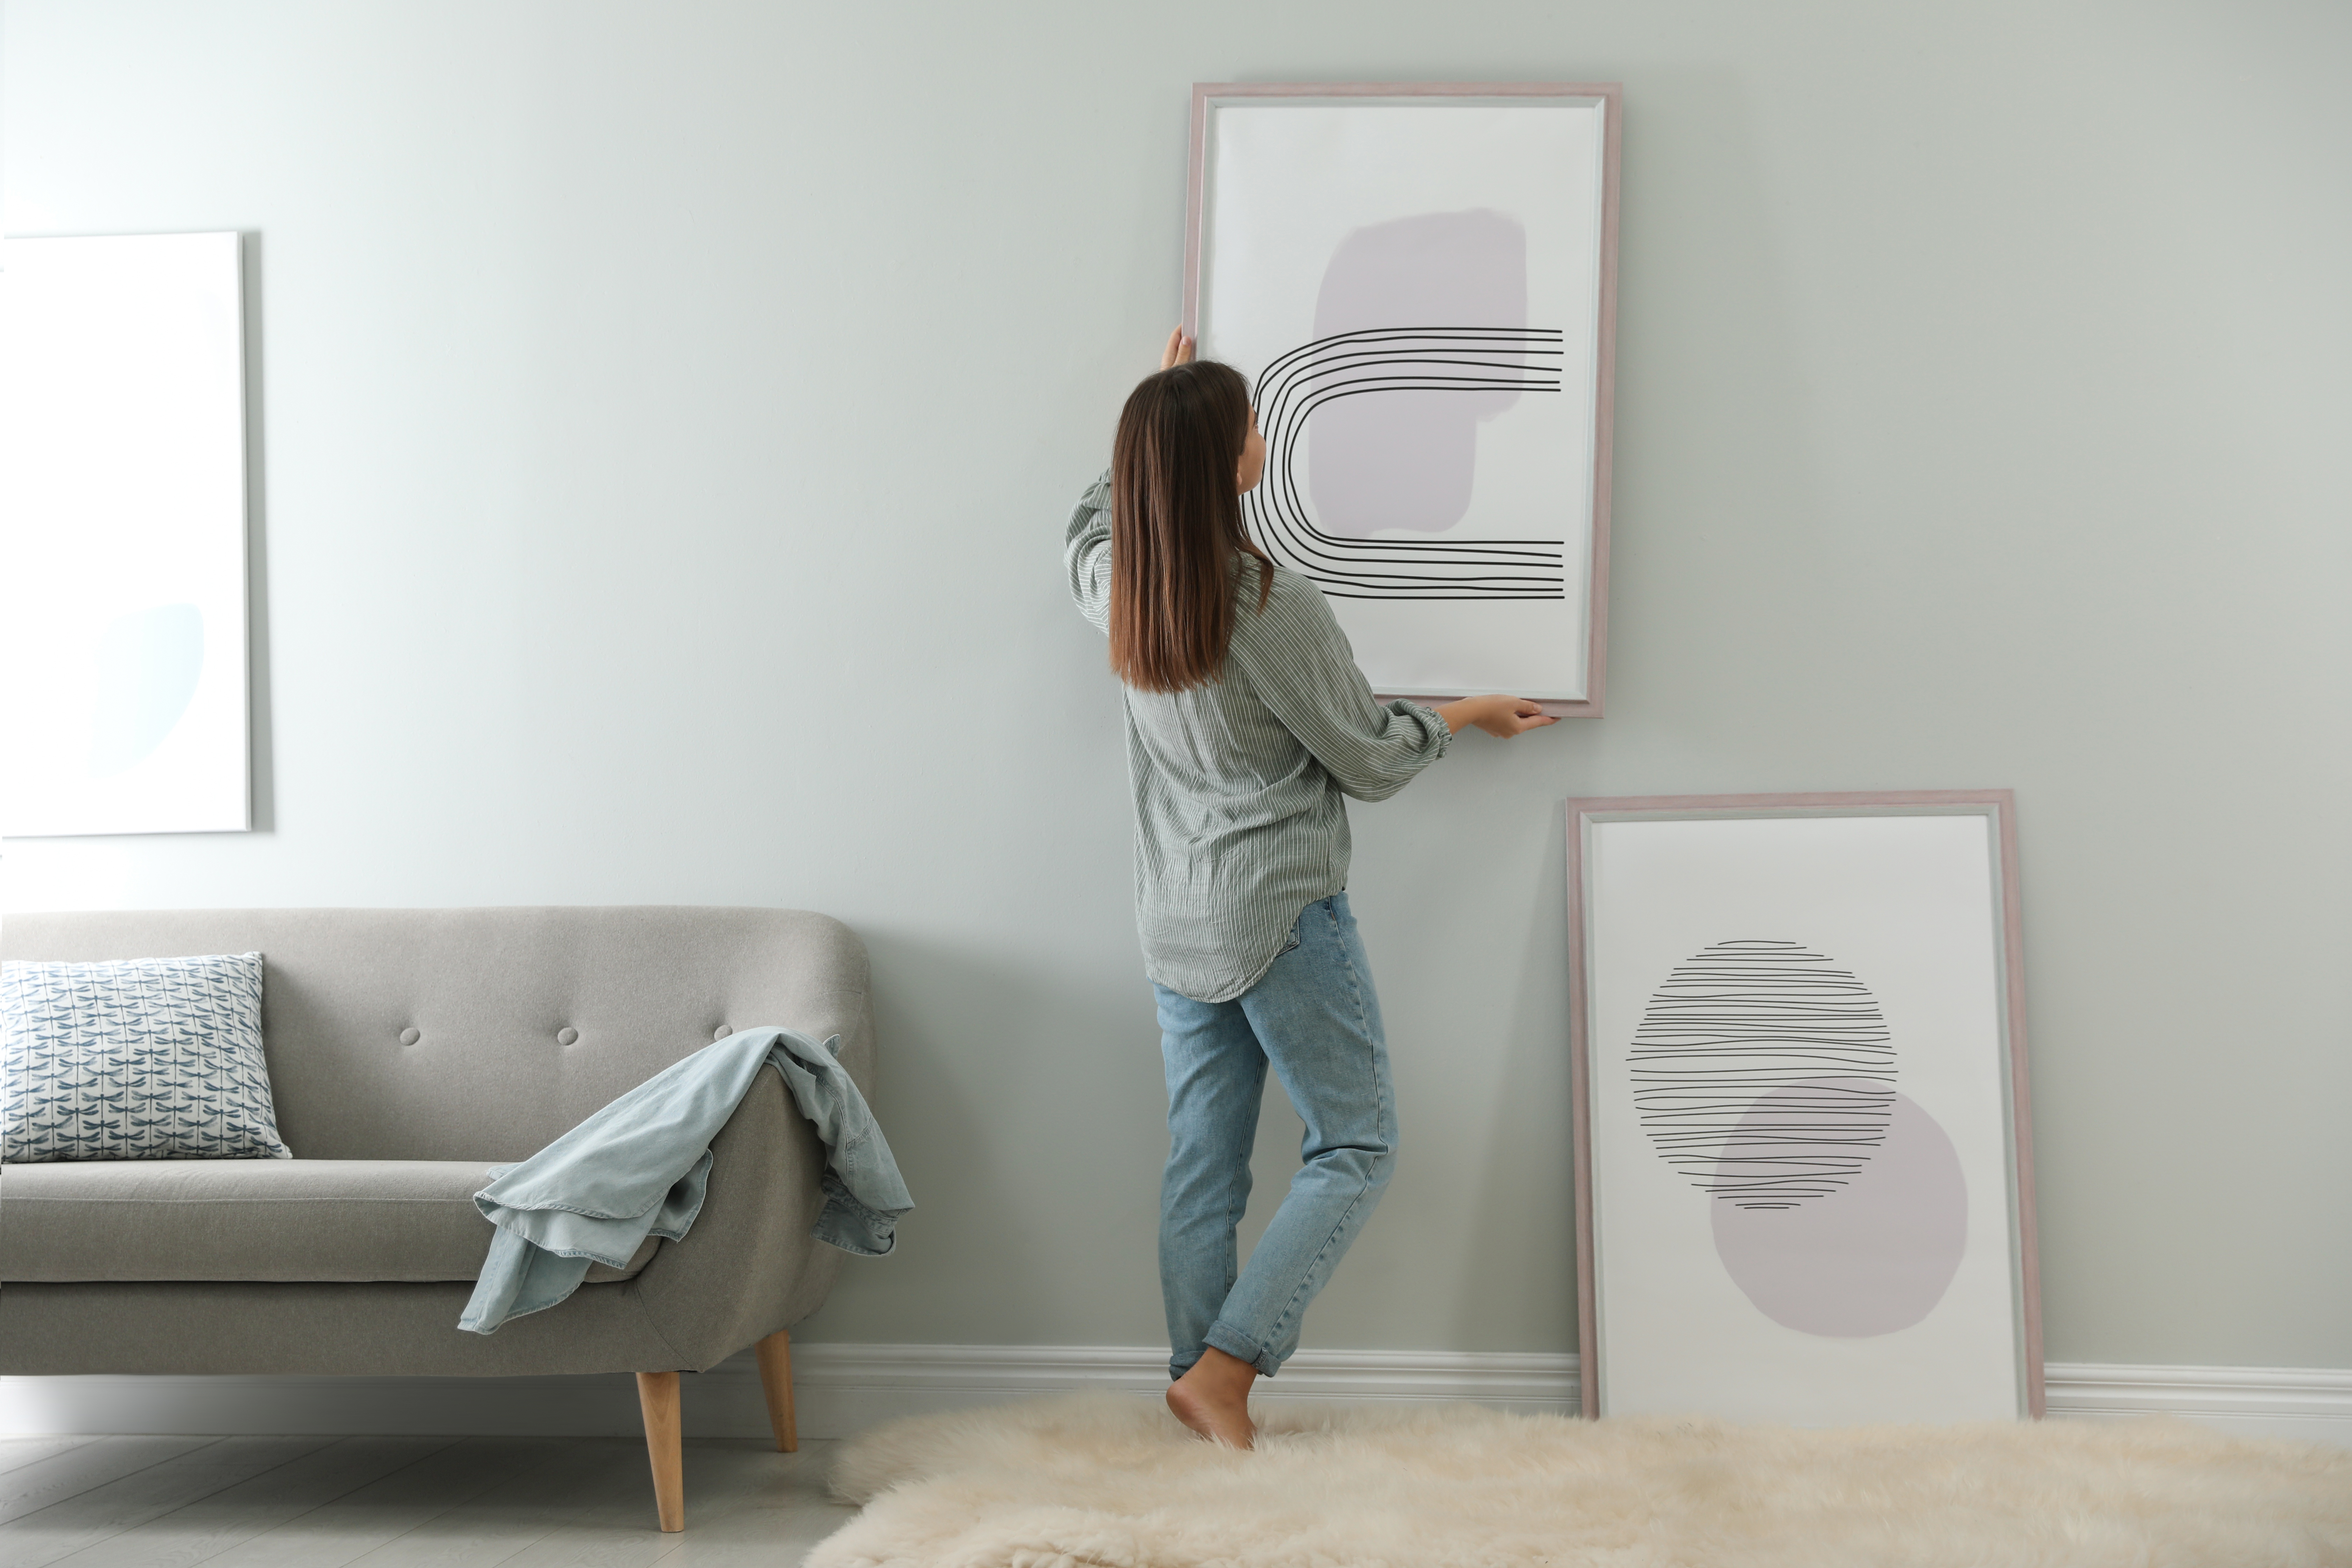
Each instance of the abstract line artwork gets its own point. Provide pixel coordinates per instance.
(1416, 283)
(1764, 1076)
(1802, 1192)
(1458, 365)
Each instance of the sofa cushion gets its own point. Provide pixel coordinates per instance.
(315, 1220)
(141, 1059)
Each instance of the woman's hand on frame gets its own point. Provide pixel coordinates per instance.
(1178, 351)
(1497, 715)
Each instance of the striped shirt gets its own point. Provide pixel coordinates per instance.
(1239, 817)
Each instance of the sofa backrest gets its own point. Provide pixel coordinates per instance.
(484, 1034)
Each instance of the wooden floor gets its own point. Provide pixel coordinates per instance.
(401, 1502)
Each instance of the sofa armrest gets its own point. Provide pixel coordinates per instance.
(749, 1266)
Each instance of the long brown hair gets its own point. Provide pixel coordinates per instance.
(1176, 526)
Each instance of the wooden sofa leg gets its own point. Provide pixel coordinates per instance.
(657, 1399)
(775, 1353)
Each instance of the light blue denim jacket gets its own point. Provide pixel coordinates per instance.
(639, 1167)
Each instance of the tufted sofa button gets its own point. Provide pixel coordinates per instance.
(722, 1032)
(567, 1037)
(409, 1036)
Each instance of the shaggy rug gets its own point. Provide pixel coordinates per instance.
(1114, 1481)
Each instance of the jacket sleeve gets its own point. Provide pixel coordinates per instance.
(1304, 671)
(1085, 553)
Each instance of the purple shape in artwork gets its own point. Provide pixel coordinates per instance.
(1871, 1258)
(1405, 460)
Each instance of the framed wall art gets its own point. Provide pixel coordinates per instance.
(1804, 1184)
(123, 535)
(1420, 282)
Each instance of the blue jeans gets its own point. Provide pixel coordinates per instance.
(1315, 1018)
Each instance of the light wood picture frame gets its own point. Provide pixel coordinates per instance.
(1803, 1140)
(1420, 280)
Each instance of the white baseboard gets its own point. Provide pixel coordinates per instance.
(842, 1389)
(2313, 1405)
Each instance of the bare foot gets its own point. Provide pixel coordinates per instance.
(1213, 1399)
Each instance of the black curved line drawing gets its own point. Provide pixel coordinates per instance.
(1738, 1022)
(1398, 359)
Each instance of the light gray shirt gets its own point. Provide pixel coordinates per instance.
(1239, 817)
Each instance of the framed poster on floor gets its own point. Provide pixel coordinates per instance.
(1803, 1162)
(1419, 283)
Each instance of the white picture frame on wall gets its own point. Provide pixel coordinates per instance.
(1419, 281)
(123, 628)
(1803, 1153)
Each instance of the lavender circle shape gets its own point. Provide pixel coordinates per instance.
(1872, 1258)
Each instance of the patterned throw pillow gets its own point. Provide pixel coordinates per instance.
(140, 1058)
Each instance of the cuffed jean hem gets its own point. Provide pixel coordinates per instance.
(1241, 1347)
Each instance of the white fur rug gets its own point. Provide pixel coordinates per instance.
(1106, 1481)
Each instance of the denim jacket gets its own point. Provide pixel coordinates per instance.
(639, 1167)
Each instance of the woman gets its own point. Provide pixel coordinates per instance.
(1247, 722)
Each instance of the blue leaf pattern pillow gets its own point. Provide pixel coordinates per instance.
(137, 1059)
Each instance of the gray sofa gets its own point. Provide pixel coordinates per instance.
(409, 1050)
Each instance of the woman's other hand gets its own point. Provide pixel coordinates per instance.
(1178, 351)
(1497, 715)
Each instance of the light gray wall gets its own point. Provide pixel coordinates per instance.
(671, 411)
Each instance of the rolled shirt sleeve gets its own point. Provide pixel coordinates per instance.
(1301, 666)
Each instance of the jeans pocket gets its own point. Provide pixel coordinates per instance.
(1292, 940)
